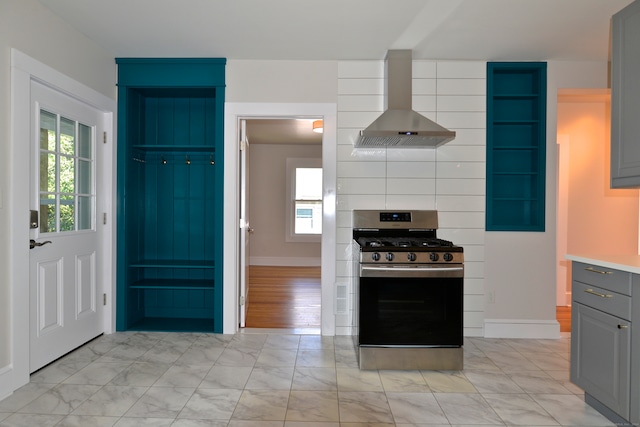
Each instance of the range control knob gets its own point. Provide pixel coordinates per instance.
(389, 256)
(434, 256)
(447, 257)
(375, 256)
(411, 256)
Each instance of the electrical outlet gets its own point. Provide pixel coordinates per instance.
(491, 297)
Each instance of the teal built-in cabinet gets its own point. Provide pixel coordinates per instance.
(516, 146)
(170, 194)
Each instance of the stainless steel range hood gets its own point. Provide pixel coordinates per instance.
(400, 126)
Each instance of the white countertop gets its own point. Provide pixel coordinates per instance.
(630, 263)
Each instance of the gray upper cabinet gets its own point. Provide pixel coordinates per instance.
(625, 98)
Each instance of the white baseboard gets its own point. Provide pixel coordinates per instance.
(521, 328)
(286, 262)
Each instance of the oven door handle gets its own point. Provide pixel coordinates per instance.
(376, 271)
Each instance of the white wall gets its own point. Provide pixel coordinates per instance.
(267, 207)
(29, 27)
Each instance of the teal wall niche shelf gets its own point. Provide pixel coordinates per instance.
(516, 146)
(170, 194)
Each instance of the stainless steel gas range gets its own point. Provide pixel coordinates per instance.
(409, 296)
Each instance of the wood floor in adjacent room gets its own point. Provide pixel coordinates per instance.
(563, 316)
(289, 297)
(283, 297)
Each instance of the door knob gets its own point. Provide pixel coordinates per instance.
(33, 243)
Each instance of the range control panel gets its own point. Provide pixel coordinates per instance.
(395, 216)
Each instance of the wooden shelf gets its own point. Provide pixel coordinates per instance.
(162, 263)
(172, 284)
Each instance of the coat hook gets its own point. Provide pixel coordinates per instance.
(187, 160)
(211, 160)
(164, 161)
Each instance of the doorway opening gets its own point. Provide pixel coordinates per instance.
(281, 207)
(592, 217)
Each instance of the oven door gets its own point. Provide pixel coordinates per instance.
(410, 306)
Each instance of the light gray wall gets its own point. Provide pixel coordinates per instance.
(267, 194)
(31, 28)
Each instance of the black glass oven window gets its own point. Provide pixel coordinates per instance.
(410, 311)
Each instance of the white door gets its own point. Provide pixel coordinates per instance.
(65, 290)
(245, 229)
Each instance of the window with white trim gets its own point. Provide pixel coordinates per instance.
(304, 204)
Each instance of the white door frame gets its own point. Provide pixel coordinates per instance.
(233, 113)
(24, 69)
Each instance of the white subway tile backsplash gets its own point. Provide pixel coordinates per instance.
(447, 202)
(360, 69)
(422, 103)
(462, 236)
(357, 201)
(360, 185)
(361, 169)
(461, 170)
(462, 69)
(461, 87)
(411, 155)
(400, 201)
(473, 253)
(473, 269)
(422, 87)
(373, 86)
(469, 137)
(417, 186)
(356, 119)
(462, 119)
(461, 103)
(473, 302)
(450, 179)
(360, 103)
(404, 201)
(461, 153)
(352, 154)
(459, 187)
(462, 220)
(424, 69)
(344, 235)
(473, 322)
(411, 170)
(474, 286)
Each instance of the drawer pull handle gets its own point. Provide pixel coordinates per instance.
(623, 326)
(595, 270)
(598, 294)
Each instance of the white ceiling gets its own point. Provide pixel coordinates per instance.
(343, 30)
(346, 29)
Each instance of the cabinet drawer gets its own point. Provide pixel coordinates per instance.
(602, 299)
(607, 278)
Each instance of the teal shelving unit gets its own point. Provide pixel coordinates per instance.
(516, 146)
(170, 194)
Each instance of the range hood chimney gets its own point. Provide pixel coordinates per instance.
(400, 126)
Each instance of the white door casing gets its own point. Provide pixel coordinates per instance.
(65, 291)
(245, 228)
(14, 372)
(233, 113)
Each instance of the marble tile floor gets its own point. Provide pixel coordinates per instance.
(270, 378)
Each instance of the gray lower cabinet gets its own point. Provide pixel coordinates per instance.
(601, 335)
(625, 97)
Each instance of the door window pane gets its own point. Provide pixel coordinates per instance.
(67, 168)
